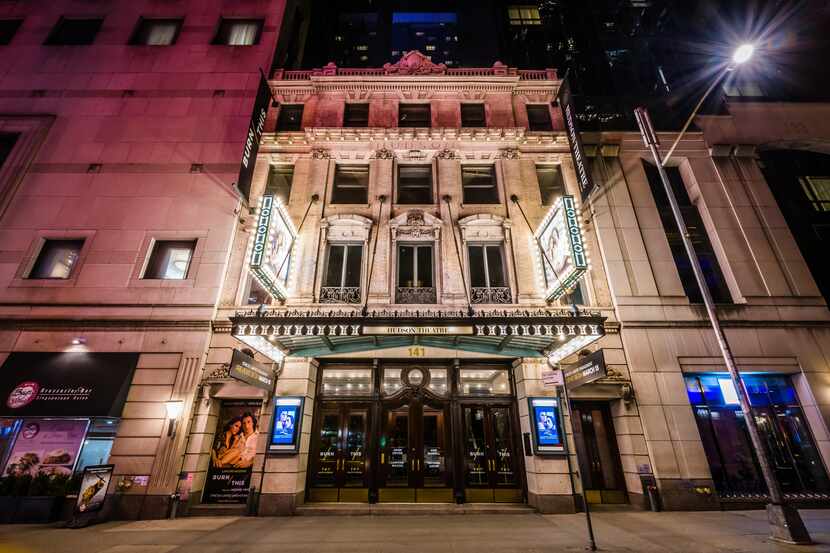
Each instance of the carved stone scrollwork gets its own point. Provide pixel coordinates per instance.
(383, 153)
(420, 294)
(509, 153)
(335, 294)
(320, 153)
(446, 153)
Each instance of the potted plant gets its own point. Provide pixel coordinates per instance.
(9, 498)
(45, 497)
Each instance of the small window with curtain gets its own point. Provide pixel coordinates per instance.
(280, 178)
(414, 115)
(56, 259)
(341, 283)
(478, 184)
(351, 184)
(74, 31)
(8, 28)
(538, 117)
(156, 32)
(170, 260)
(414, 184)
(551, 185)
(472, 115)
(488, 278)
(290, 118)
(238, 32)
(356, 115)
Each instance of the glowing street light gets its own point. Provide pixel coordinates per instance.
(742, 54)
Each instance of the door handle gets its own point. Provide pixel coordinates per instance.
(418, 464)
(382, 458)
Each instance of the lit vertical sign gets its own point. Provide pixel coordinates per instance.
(255, 128)
(583, 173)
(563, 257)
(273, 240)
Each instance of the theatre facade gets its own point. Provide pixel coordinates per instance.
(424, 247)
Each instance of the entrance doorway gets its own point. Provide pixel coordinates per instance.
(339, 467)
(490, 460)
(596, 449)
(400, 432)
(413, 453)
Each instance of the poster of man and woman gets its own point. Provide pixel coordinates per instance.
(233, 453)
(545, 413)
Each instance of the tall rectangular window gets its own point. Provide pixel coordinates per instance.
(538, 117)
(74, 31)
(7, 142)
(551, 185)
(414, 115)
(488, 277)
(478, 184)
(238, 32)
(472, 115)
(170, 260)
(356, 115)
(57, 259)
(290, 118)
(280, 178)
(351, 184)
(414, 184)
(156, 32)
(341, 283)
(700, 239)
(8, 28)
(415, 266)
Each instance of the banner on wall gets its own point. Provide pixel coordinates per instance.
(255, 128)
(583, 172)
(233, 452)
(46, 446)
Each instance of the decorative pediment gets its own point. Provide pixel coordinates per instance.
(346, 228)
(414, 63)
(415, 224)
(484, 227)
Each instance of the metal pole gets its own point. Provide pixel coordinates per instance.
(592, 541)
(785, 522)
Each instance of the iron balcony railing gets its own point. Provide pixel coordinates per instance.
(493, 294)
(412, 294)
(340, 294)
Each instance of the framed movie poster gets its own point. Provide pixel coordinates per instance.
(233, 453)
(286, 426)
(546, 419)
(94, 486)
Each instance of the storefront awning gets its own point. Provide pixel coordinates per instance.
(549, 333)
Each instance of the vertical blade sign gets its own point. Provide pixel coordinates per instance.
(255, 128)
(583, 172)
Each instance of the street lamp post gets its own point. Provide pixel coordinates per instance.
(785, 522)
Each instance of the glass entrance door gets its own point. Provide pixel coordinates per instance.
(490, 459)
(596, 451)
(339, 454)
(414, 454)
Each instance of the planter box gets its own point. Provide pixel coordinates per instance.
(38, 508)
(8, 508)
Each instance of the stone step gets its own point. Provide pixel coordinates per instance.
(382, 509)
(218, 510)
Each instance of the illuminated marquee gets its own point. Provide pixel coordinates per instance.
(562, 256)
(273, 241)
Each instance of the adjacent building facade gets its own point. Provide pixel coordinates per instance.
(122, 127)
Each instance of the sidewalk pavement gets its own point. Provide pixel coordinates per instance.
(692, 532)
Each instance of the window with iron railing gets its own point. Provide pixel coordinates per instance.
(488, 277)
(341, 283)
(415, 274)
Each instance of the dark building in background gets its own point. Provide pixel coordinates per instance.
(618, 53)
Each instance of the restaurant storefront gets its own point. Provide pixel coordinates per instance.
(60, 411)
